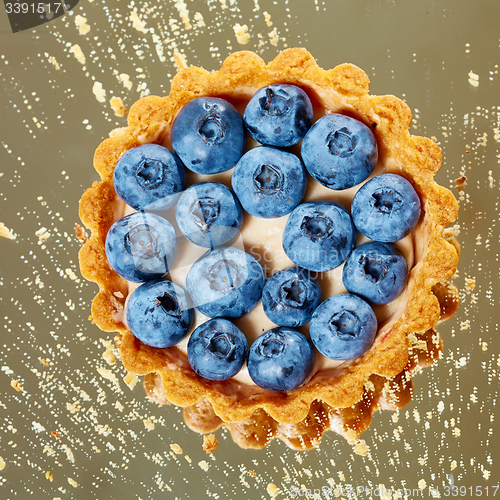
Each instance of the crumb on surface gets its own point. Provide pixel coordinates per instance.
(99, 92)
(210, 443)
(176, 449)
(5, 232)
(461, 182)
(2, 463)
(360, 448)
(241, 32)
(118, 106)
(203, 465)
(272, 489)
(16, 385)
(180, 60)
(78, 53)
(81, 234)
(81, 24)
(130, 379)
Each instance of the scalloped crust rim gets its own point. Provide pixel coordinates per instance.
(415, 158)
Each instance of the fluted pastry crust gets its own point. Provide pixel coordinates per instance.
(415, 158)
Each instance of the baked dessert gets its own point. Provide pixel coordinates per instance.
(340, 394)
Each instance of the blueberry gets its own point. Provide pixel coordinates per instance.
(319, 235)
(269, 182)
(386, 208)
(159, 313)
(281, 359)
(339, 151)
(225, 282)
(208, 135)
(141, 246)
(290, 297)
(278, 115)
(208, 214)
(217, 349)
(375, 271)
(149, 177)
(343, 327)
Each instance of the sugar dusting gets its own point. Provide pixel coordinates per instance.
(72, 418)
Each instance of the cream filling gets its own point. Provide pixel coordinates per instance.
(262, 238)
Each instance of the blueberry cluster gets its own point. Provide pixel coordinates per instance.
(208, 137)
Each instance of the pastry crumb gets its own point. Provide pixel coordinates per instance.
(473, 79)
(5, 232)
(137, 22)
(72, 482)
(470, 284)
(461, 182)
(81, 24)
(176, 449)
(210, 443)
(272, 489)
(118, 106)
(241, 32)
(49, 476)
(81, 234)
(130, 379)
(180, 60)
(149, 424)
(16, 385)
(2, 463)
(99, 92)
(360, 448)
(203, 465)
(78, 53)
(109, 357)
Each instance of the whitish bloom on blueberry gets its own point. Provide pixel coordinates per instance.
(141, 246)
(208, 214)
(159, 313)
(339, 151)
(281, 359)
(217, 349)
(278, 115)
(386, 208)
(225, 282)
(343, 327)
(375, 271)
(319, 235)
(149, 177)
(208, 135)
(290, 296)
(269, 182)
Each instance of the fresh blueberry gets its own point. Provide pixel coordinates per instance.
(149, 177)
(386, 208)
(159, 313)
(208, 214)
(339, 151)
(319, 235)
(217, 349)
(290, 297)
(278, 115)
(269, 182)
(225, 282)
(376, 272)
(343, 327)
(208, 135)
(141, 246)
(281, 359)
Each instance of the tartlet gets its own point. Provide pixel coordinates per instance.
(342, 397)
